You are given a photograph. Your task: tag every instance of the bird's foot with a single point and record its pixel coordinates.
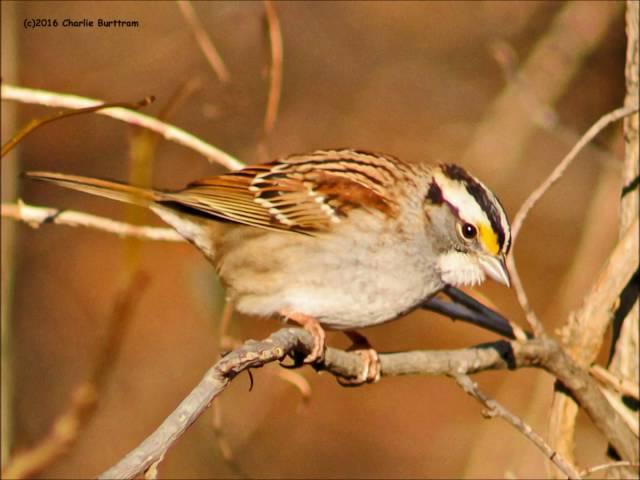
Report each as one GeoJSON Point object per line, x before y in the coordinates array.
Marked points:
{"type": "Point", "coordinates": [371, 371]}
{"type": "Point", "coordinates": [311, 325]}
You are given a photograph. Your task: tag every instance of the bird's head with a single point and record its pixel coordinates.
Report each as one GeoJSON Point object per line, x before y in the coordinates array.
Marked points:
{"type": "Point", "coordinates": [469, 226]}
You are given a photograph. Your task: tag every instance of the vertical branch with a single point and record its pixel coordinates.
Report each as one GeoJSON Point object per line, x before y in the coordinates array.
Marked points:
{"type": "Point", "coordinates": [204, 42]}
{"type": "Point", "coordinates": [625, 346]}
{"type": "Point", "coordinates": [539, 192]}
{"type": "Point", "coordinates": [275, 70]}
{"type": "Point", "coordinates": [631, 171]}
{"type": "Point", "coordinates": [584, 333]}
{"type": "Point", "coordinates": [8, 178]}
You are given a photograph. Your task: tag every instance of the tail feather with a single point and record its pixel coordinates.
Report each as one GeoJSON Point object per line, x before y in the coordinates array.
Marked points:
{"type": "Point", "coordinates": [102, 188]}
{"type": "Point", "coordinates": [191, 227]}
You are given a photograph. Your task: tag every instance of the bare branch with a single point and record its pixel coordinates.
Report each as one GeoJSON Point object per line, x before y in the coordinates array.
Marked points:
{"type": "Point", "coordinates": [494, 408]}
{"type": "Point", "coordinates": [204, 41]}
{"type": "Point", "coordinates": [628, 415]}
{"type": "Point", "coordinates": [587, 392]}
{"type": "Point", "coordinates": [37, 216]}
{"type": "Point", "coordinates": [167, 131]}
{"type": "Point", "coordinates": [275, 70]}
{"type": "Point", "coordinates": [537, 194]}
{"type": "Point", "coordinates": [631, 171]}
{"type": "Point", "coordinates": [39, 122]}
{"type": "Point", "coordinates": [620, 385]}
{"type": "Point", "coordinates": [557, 172]}
{"type": "Point", "coordinates": [583, 336]}
{"type": "Point", "coordinates": [542, 353]}
{"type": "Point", "coordinates": [584, 332]}
{"type": "Point", "coordinates": [606, 466]}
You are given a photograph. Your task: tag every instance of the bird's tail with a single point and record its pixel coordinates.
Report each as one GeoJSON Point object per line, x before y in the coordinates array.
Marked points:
{"type": "Point", "coordinates": [103, 188]}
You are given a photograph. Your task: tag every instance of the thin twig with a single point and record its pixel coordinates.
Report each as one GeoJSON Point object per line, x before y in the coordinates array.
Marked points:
{"type": "Point", "coordinates": [84, 399]}
{"type": "Point", "coordinates": [204, 42]}
{"type": "Point", "coordinates": [496, 409]}
{"type": "Point", "coordinates": [522, 297]}
{"type": "Point", "coordinates": [36, 216]}
{"type": "Point", "coordinates": [537, 194]}
{"type": "Point", "coordinates": [168, 132]}
{"type": "Point", "coordinates": [275, 70]}
{"type": "Point", "coordinates": [606, 466]}
{"type": "Point", "coordinates": [557, 172]}
{"type": "Point", "coordinates": [620, 385]}
{"type": "Point", "coordinates": [39, 122]}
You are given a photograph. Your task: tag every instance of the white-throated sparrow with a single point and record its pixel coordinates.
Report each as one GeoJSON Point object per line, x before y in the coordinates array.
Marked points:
{"type": "Point", "coordinates": [337, 238]}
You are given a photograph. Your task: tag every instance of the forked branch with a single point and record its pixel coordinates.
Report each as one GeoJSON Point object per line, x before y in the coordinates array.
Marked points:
{"type": "Point", "coordinates": [541, 353]}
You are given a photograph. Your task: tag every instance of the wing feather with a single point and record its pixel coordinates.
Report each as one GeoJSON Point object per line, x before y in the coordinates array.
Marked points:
{"type": "Point", "coordinates": [302, 193]}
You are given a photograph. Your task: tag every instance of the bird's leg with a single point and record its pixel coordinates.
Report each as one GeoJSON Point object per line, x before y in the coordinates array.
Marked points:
{"type": "Point", "coordinates": [369, 356]}
{"type": "Point", "coordinates": [311, 325]}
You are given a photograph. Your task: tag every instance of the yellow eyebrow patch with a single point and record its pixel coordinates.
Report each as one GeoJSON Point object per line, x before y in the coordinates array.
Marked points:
{"type": "Point", "coordinates": [489, 239]}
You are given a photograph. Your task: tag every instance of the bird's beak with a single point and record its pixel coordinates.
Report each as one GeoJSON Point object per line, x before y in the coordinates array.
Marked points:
{"type": "Point", "coordinates": [496, 268]}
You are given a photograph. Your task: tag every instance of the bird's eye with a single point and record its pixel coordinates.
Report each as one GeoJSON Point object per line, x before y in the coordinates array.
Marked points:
{"type": "Point", "coordinates": [469, 231]}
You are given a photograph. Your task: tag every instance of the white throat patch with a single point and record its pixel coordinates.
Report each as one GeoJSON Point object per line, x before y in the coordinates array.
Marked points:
{"type": "Point", "coordinates": [459, 269]}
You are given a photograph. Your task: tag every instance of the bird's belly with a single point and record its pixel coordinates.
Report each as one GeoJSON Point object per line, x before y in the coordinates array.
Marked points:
{"type": "Point", "coordinates": [359, 288]}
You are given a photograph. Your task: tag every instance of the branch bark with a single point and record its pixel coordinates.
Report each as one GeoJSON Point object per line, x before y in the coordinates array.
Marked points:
{"type": "Point", "coordinates": [36, 216]}
{"type": "Point", "coordinates": [540, 352]}
{"type": "Point", "coordinates": [167, 131]}
{"type": "Point", "coordinates": [494, 409]}
{"type": "Point", "coordinates": [583, 336]}
{"type": "Point", "coordinates": [537, 194]}
{"type": "Point", "coordinates": [207, 47]}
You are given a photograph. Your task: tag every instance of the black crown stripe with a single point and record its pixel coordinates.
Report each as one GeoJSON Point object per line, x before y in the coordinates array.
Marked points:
{"type": "Point", "coordinates": [480, 194]}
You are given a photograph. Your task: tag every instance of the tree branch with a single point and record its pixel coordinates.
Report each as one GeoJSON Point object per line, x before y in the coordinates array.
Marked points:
{"type": "Point", "coordinates": [494, 408]}
{"type": "Point", "coordinates": [204, 41]}
{"type": "Point", "coordinates": [557, 172]}
{"type": "Point", "coordinates": [539, 352]}
{"type": "Point", "coordinates": [167, 131]}
{"type": "Point", "coordinates": [583, 335]}
{"type": "Point", "coordinates": [537, 194]}
{"type": "Point", "coordinates": [275, 69]}
{"type": "Point", "coordinates": [37, 216]}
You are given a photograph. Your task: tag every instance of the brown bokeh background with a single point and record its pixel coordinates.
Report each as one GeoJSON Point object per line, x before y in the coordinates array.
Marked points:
{"type": "Point", "coordinates": [412, 79]}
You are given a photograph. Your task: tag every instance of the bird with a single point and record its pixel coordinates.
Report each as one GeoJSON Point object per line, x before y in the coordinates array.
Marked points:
{"type": "Point", "coordinates": [338, 239]}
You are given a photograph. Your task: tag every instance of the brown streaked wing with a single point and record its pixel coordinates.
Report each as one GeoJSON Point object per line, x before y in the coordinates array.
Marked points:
{"type": "Point", "coordinates": [228, 197]}
{"type": "Point", "coordinates": [302, 197]}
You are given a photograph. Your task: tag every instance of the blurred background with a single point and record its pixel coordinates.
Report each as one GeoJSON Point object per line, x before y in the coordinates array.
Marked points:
{"type": "Point", "coordinates": [503, 88]}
